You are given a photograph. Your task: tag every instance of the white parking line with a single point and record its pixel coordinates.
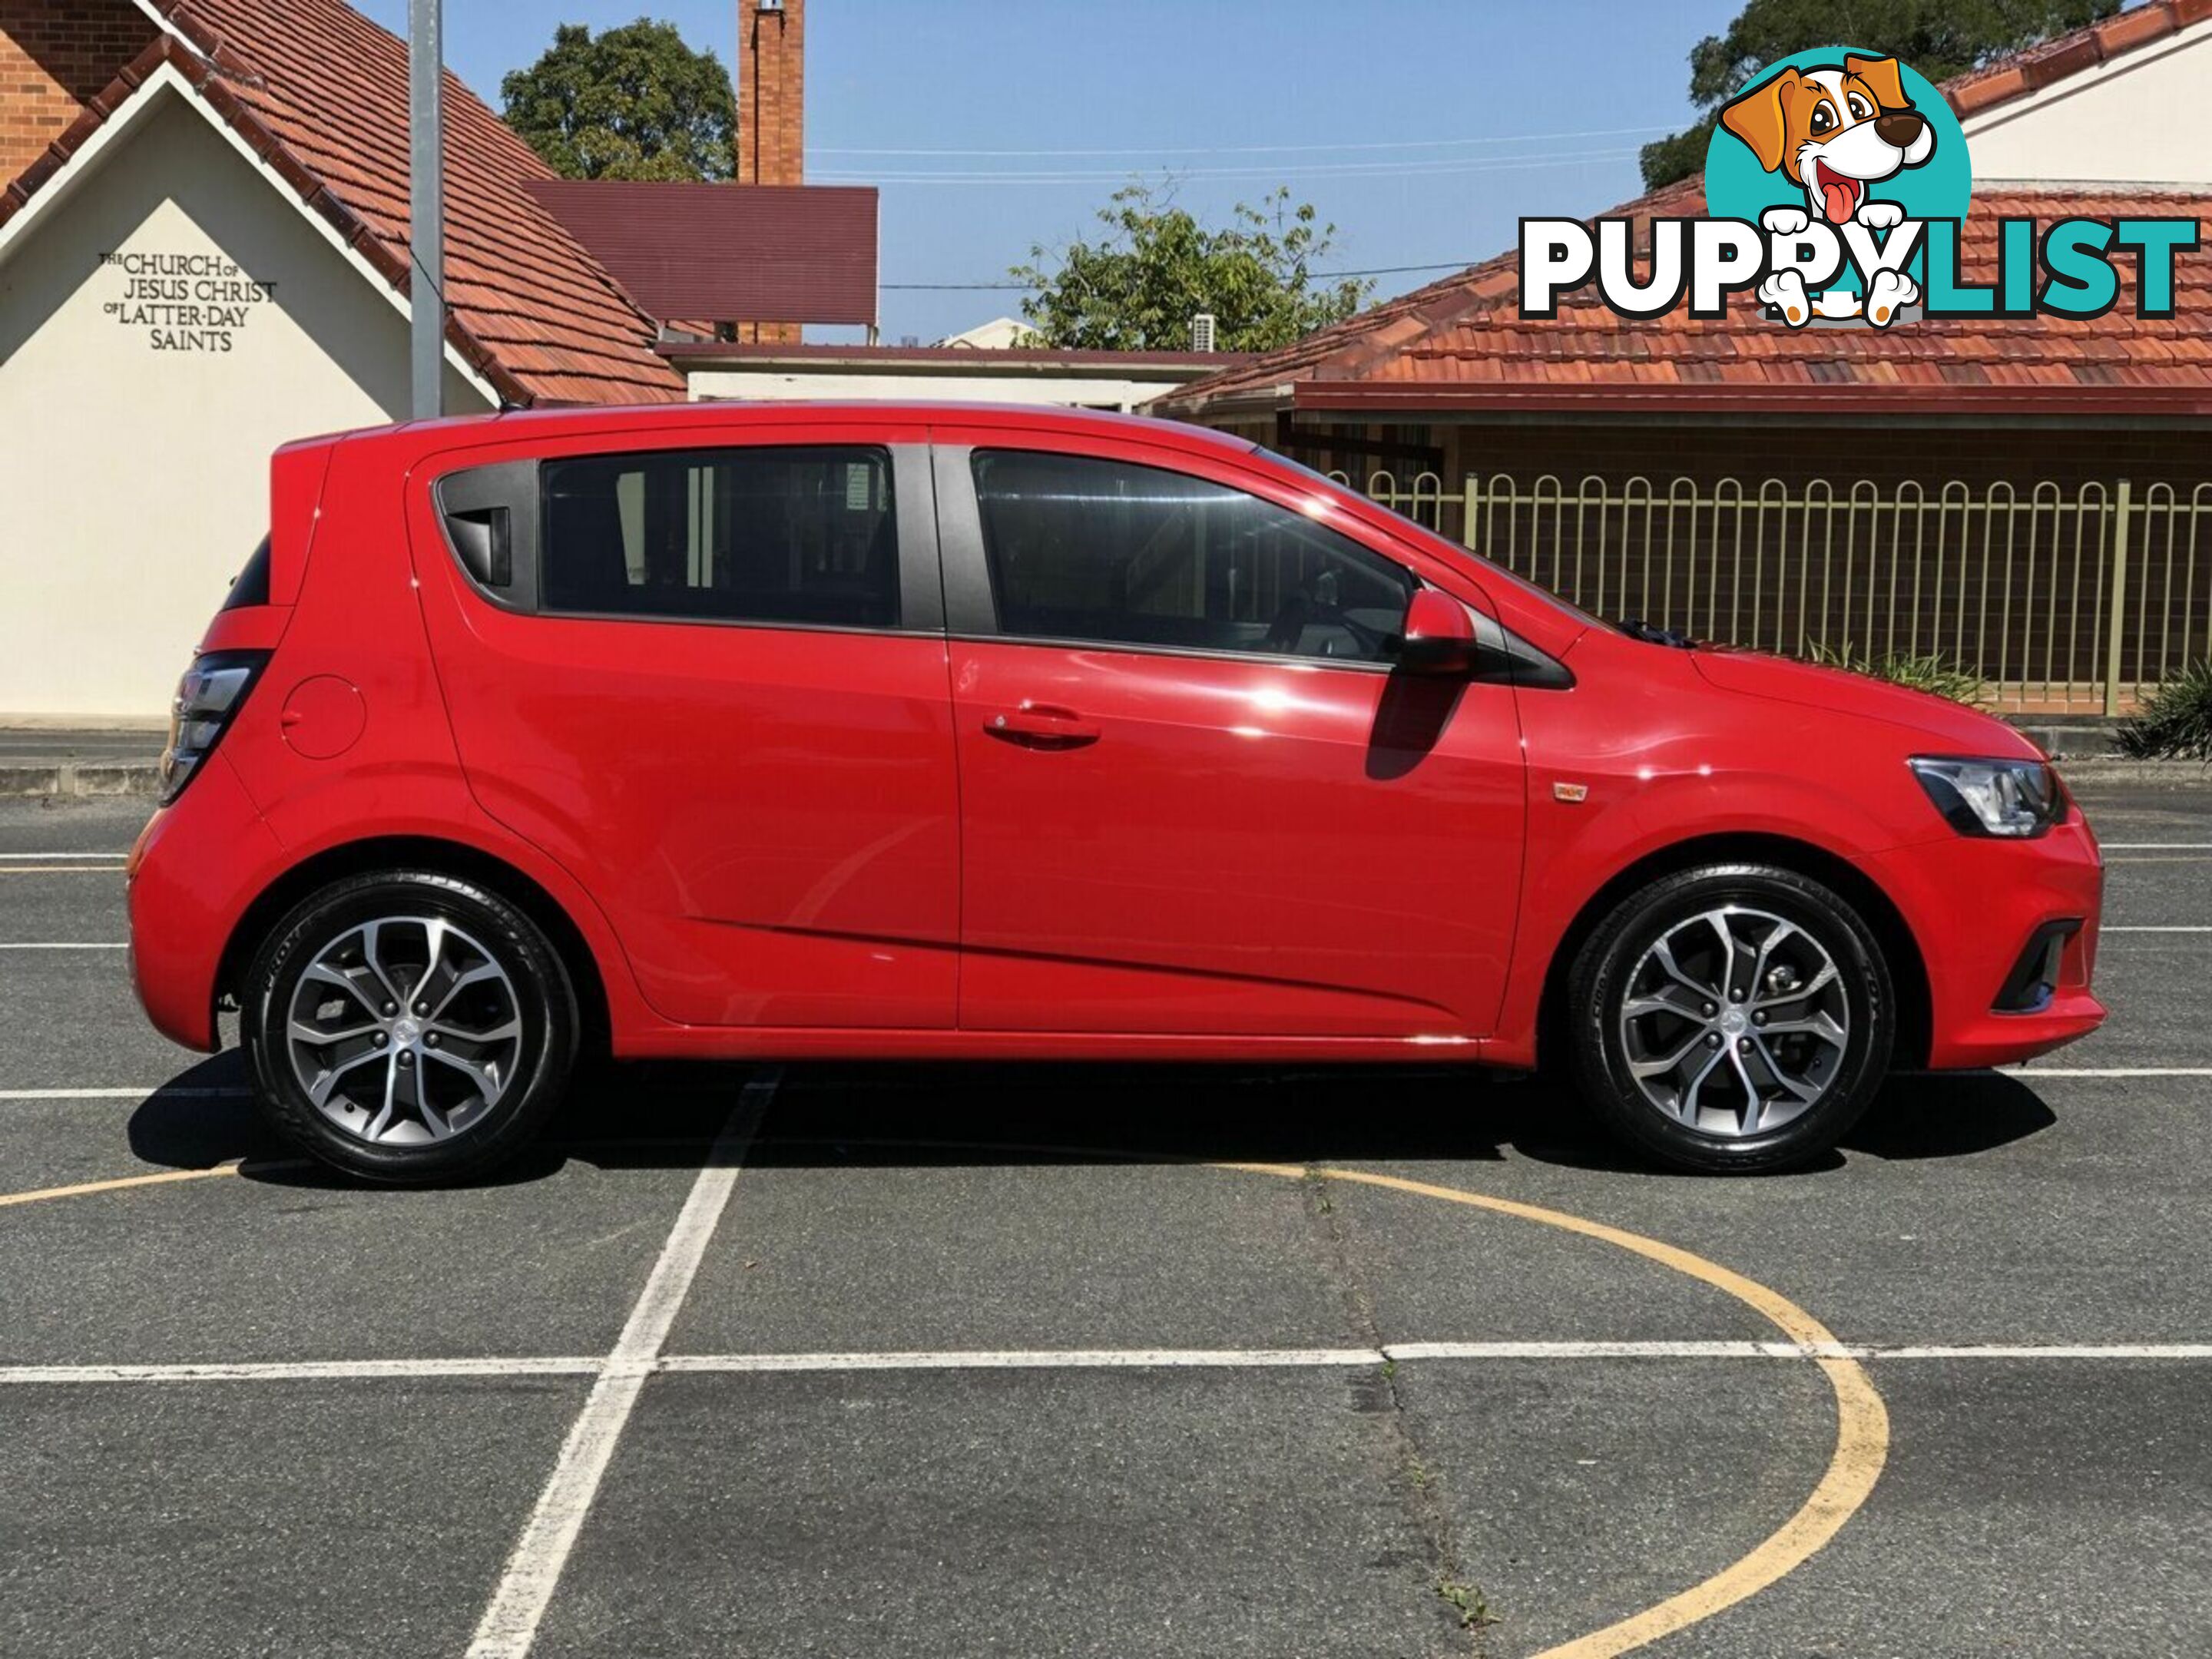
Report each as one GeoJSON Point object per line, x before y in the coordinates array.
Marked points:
{"type": "Point", "coordinates": [239, 1091]}
{"type": "Point", "coordinates": [72, 858]}
{"type": "Point", "coordinates": [63, 945]}
{"type": "Point", "coordinates": [2032, 1070]}
{"type": "Point", "coordinates": [2158, 846]}
{"type": "Point", "coordinates": [1051, 1360]}
{"type": "Point", "coordinates": [308, 1371]}
{"type": "Point", "coordinates": [2160, 929]}
{"type": "Point", "coordinates": [1019, 1359]}
{"type": "Point", "coordinates": [158, 1091]}
{"type": "Point", "coordinates": [510, 1622]}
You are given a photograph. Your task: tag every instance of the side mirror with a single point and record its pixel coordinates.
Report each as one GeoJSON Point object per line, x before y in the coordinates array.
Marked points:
{"type": "Point", "coordinates": [1439, 636]}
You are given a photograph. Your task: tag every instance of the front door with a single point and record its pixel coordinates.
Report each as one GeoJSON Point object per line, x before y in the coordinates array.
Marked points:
{"type": "Point", "coordinates": [714, 690]}
{"type": "Point", "coordinates": [1194, 797]}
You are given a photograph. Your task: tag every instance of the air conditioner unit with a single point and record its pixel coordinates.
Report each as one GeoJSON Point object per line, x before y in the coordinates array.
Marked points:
{"type": "Point", "coordinates": [1202, 332]}
{"type": "Point", "coordinates": [769, 5]}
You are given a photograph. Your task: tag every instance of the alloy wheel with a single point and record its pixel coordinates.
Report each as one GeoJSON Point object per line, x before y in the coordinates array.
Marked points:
{"type": "Point", "coordinates": [404, 1030]}
{"type": "Point", "coordinates": [1734, 1022]}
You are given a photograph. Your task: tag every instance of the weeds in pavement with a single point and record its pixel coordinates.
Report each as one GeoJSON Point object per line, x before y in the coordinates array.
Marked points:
{"type": "Point", "coordinates": [1474, 1610]}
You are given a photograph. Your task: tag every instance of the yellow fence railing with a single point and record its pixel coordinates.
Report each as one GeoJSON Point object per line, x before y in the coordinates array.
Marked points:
{"type": "Point", "coordinates": [2058, 599]}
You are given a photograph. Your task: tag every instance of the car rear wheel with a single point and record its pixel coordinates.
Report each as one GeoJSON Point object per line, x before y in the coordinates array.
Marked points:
{"type": "Point", "coordinates": [408, 1026]}
{"type": "Point", "coordinates": [1735, 1018]}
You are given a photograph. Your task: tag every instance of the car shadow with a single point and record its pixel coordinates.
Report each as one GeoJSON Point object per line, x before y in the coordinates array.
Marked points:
{"type": "Point", "coordinates": [660, 1114]}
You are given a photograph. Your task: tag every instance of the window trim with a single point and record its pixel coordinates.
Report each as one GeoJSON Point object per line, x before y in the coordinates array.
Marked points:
{"type": "Point", "coordinates": [249, 589]}
{"type": "Point", "coordinates": [518, 485]}
{"type": "Point", "coordinates": [971, 608]}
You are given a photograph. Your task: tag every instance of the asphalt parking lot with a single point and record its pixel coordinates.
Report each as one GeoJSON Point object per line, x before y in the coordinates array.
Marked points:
{"type": "Point", "coordinates": [935, 1361]}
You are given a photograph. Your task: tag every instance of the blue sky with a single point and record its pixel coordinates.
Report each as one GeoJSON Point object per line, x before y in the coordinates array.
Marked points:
{"type": "Point", "coordinates": [1423, 129]}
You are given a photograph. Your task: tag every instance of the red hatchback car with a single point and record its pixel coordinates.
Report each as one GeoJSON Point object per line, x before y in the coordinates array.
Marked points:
{"type": "Point", "coordinates": [893, 731]}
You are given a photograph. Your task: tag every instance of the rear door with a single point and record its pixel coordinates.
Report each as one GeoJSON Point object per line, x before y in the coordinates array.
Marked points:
{"type": "Point", "coordinates": [709, 678]}
{"type": "Point", "coordinates": [1195, 797]}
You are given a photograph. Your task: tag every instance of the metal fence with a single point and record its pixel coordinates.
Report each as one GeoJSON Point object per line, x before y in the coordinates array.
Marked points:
{"type": "Point", "coordinates": [2058, 600]}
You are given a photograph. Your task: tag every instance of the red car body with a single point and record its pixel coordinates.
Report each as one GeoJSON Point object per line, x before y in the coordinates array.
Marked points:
{"type": "Point", "coordinates": [925, 842]}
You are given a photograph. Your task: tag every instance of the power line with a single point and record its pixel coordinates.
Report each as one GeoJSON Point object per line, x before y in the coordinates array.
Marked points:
{"type": "Point", "coordinates": [1022, 288]}
{"type": "Point", "coordinates": [1005, 176]}
{"type": "Point", "coordinates": [1269, 150]}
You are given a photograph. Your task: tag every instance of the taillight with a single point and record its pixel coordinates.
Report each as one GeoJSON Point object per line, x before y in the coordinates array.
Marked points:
{"type": "Point", "coordinates": [208, 696]}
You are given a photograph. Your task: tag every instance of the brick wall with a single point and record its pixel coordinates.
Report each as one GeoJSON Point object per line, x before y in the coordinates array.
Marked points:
{"type": "Point", "coordinates": [771, 115]}
{"type": "Point", "coordinates": [54, 55]}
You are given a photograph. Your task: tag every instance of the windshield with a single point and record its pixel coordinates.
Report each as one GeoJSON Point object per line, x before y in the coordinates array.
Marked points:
{"type": "Point", "coordinates": [1414, 530]}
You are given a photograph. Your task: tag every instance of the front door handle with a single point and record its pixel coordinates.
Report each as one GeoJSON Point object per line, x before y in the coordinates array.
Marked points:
{"type": "Point", "coordinates": [1042, 725]}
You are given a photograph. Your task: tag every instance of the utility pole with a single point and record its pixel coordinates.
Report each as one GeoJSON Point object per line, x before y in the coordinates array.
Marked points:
{"type": "Point", "coordinates": [426, 195]}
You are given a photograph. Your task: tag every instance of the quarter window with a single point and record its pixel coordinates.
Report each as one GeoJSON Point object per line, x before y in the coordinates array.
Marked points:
{"type": "Point", "coordinates": [800, 536]}
{"type": "Point", "coordinates": [1084, 549]}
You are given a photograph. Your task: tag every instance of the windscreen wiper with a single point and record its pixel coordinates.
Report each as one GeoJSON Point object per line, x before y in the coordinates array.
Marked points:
{"type": "Point", "coordinates": [1636, 628]}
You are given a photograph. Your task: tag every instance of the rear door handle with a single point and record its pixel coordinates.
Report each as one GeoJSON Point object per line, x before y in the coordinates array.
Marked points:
{"type": "Point", "coordinates": [1042, 725]}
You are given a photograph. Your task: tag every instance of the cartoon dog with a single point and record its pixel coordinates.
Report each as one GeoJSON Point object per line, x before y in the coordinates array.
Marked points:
{"type": "Point", "coordinates": [1835, 132]}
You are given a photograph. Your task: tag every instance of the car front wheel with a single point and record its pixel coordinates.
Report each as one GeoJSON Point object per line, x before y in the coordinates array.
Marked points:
{"type": "Point", "coordinates": [1733, 1018]}
{"type": "Point", "coordinates": [408, 1026]}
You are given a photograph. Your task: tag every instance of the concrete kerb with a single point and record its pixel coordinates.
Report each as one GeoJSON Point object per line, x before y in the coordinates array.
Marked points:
{"type": "Point", "coordinates": [80, 779]}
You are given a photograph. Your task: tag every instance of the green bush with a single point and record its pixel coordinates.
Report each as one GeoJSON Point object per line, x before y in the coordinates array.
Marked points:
{"type": "Point", "coordinates": [1934, 673]}
{"type": "Point", "coordinates": [2174, 722]}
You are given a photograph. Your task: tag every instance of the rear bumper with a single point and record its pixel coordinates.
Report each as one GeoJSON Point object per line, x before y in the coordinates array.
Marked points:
{"type": "Point", "coordinates": [186, 896]}
{"type": "Point", "coordinates": [1974, 906]}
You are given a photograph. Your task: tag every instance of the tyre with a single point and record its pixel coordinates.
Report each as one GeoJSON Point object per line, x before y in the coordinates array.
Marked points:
{"type": "Point", "coordinates": [407, 1026]}
{"type": "Point", "coordinates": [1735, 1018]}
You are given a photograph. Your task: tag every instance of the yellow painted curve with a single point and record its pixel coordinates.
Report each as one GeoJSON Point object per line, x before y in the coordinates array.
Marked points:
{"type": "Point", "coordinates": [1862, 1420]}
{"type": "Point", "coordinates": [82, 1188]}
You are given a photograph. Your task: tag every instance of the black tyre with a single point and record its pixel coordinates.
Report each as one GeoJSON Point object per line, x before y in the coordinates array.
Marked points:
{"type": "Point", "coordinates": [408, 1026]}
{"type": "Point", "coordinates": [1735, 1018]}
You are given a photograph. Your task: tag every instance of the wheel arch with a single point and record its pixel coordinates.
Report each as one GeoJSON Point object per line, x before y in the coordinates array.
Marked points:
{"type": "Point", "coordinates": [1908, 967]}
{"type": "Point", "coordinates": [448, 858]}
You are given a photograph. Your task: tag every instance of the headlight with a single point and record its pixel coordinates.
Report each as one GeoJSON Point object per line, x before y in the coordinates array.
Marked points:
{"type": "Point", "coordinates": [2012, 799]}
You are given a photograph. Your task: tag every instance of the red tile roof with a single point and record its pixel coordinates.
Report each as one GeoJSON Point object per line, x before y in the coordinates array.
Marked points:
{"type": "Point", "coordinates": [1462, 343]}
{"type": "Point", "coordinates": [2070, 53]}
{"type": "Point", "coordinates": [320, 93]}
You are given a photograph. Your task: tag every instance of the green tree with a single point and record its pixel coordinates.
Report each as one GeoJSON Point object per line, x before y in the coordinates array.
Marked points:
{"type": "Point", "coordinates": [1938, 38]}
{"type": "Point", "coordinates": [1137, 288]}
{"type": "Point", "coordinates": [634, 103]}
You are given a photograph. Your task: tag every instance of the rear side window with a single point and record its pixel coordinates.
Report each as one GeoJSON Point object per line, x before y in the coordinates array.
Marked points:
{"type": "Point", "coordinates": [252, 587]}
{"type": "Point", "coordinates": [800, 536]}
{"type": "Point", "coordinates": [1090, 549]}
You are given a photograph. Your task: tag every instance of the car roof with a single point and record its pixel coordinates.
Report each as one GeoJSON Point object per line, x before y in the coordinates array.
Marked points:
{"type": "Point", "coordinates": [742, 413]}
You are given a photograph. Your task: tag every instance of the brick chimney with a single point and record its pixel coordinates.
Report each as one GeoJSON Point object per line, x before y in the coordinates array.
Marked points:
{"type": "Point", "coordinates": [771, 113]}
{"type": "Point", "coordinates": [54, 56]}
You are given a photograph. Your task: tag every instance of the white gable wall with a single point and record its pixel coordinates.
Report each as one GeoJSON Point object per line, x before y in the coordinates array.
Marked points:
{"type": "Point", "coordinates": [2145, 116]}
{"type": "Point", "coordinates": [135, 445]}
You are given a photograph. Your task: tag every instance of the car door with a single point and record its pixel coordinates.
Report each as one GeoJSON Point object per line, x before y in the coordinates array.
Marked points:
{"type": "Point", "coordinates": [709, 678]}
{"type": "Point", "coordinates": [1195, 798]}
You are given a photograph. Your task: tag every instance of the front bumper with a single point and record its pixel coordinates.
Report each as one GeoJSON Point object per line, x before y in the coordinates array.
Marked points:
{"type": "Point", "coordinates": [1974, 906]}
{"type": "Point", "coordinates": [195, 867]}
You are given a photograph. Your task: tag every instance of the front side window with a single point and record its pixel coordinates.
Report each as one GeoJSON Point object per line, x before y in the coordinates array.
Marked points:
{"type": "Point", "coordinates": [807, 536]}
{"type": "Point", "coordinates": [1090, 549]}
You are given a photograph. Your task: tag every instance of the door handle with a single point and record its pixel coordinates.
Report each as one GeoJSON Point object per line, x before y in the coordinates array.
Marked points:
{"type": "Point", "coordinates": [1042, 725]}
